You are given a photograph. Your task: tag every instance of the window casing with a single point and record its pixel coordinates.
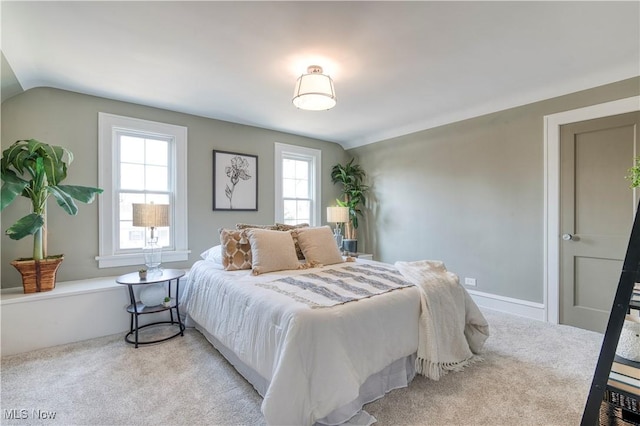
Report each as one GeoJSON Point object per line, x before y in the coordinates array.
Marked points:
{"type": "Point", "coordinates": [140, 161]}
{"type": "Point", "coordinates": [297, 184]}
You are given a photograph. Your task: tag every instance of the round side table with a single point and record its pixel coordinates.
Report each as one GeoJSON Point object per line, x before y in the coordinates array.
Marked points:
{"type": "Point", "coordinates": [138, 308]}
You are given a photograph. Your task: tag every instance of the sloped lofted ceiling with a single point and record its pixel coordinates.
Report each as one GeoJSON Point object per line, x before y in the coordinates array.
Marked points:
{"type": "Point", "coordinates": [398, 67]}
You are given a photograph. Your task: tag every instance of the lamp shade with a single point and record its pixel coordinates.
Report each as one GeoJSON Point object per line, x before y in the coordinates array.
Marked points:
{"type": "Point", "coordinates": [151, 215]}
{"type": "Point", "coordinates": [337, 214]}
{"type": "Point", "coordinates": [314, 91]}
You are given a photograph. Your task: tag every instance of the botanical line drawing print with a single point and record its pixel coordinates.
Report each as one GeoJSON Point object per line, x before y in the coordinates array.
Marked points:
{"type": "Point", "coordinates": [239, 169]}
{"type": "Point", "coordinates": [235, 181]}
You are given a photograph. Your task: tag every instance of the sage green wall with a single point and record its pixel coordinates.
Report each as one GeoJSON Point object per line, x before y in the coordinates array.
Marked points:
{"type": "Point", "coordinates": [71, 120]}
{"type": "Point", "coordinates": [471, 194]}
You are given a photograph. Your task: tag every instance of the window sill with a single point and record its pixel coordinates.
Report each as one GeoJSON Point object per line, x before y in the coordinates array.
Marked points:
{"type": "Point", "coordinates": [138, 258]}
{"type": "Point", "coordinates": [71, 312]}
{"type": "Point", "coordinates": [62, 289]}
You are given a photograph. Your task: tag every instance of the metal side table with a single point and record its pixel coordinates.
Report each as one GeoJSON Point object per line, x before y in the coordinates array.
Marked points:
{"type": "Point", "coordinates": [138, 308]}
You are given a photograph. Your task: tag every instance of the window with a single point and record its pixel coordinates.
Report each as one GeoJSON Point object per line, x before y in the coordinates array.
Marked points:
{"type": "Point", "coordinates": [297, 186]}
{"type": "Point", "coordinates": [140, 162]}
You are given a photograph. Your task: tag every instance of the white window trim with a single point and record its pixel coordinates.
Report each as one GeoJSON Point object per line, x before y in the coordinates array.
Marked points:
{"type": "Point", "coordinates": [305, 153]}
{"type": "Point", "coordinates": [107, 125]}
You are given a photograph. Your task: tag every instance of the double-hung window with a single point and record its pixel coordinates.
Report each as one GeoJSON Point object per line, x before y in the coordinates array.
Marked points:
{"type": "Point", "coordinates": [141, 162]}
{"type": "Point", "coordinates": [297, 172]}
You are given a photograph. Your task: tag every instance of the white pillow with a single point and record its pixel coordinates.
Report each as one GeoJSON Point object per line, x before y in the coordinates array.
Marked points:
{"type": "Point", "coordinates": [272, 251]}
{"type": "Point", "coordinates": [319, 246]}
{"type": "Point", "coordinates": [214, 254]}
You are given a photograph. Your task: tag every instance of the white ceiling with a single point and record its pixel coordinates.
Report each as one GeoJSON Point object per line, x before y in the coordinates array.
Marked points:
{"type": "Point", "coordinates": [398, 67]}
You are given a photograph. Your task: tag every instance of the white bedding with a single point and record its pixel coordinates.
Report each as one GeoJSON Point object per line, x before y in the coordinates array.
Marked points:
{"type": "Point", "coordinates": [314, 360]}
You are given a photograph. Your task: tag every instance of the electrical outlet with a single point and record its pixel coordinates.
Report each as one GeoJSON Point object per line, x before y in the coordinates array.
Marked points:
{"type": "Point", "coordinates": [470, 281]}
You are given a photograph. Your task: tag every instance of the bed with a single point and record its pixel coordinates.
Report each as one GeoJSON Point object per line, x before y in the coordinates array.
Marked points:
{"type": "Point", "coordinates": [316, 343]}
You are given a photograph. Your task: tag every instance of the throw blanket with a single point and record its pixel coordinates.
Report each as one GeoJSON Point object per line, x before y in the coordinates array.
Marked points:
{"type": "Point", "coordinates": [338, 284]}
{"type": "Point", "coordinates": [452, 328]}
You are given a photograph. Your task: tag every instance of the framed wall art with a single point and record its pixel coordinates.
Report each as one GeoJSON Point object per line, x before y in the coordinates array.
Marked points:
{"type": "Point", "coordinates": [235, 181]}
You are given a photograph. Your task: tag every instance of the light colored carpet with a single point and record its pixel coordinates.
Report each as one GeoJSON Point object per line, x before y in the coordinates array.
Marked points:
{"type": "Point", "coordinates": [533, 374]}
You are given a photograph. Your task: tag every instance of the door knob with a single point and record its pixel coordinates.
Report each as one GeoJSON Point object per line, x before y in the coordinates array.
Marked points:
{"type": "Point", "coordinates": [567, 237]}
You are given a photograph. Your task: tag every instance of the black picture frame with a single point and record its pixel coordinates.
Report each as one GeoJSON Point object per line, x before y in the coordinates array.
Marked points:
{"type": "Point", "coordinates": [235, 181]}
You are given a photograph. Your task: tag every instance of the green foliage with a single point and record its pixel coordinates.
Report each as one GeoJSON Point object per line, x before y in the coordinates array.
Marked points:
{"type": "Point", "coordinates": [27, 225]}
{"type": "Point", "coordinates": [34, 170]}
{"type": "Point", "coordinates": [634, 173]}
{"type": "Point", "coordinates": [350, 176]}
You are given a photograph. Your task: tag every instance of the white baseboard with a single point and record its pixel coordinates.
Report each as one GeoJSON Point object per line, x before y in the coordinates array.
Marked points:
{"type": "Point", "coordinates": [522, 308]}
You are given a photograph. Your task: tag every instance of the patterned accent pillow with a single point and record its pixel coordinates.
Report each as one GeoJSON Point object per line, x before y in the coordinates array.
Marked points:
{"type": "Point", "coordinates": [236, 250]}
{"type": "Point", "coordinates": [285, 227]}
{"type": "Point", "coordinates": [248, 226]}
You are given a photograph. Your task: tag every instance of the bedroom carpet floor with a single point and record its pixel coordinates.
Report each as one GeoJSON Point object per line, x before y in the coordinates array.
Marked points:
{"type": "Point", "coordinates": [532, 374]}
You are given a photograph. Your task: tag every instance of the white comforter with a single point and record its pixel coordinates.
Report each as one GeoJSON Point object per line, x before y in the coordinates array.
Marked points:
{"type": "Point", "coordinates": [314, 359]}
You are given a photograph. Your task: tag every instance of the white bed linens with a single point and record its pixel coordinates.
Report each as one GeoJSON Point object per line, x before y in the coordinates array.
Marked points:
{"type": "Point", "coordinates": [315, 360]}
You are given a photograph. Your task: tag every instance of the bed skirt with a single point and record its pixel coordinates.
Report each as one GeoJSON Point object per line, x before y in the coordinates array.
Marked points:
{"type": "Point", "coordinates": [396, 375]}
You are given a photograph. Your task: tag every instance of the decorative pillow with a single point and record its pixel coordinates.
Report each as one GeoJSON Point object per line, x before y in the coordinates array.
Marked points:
{"type": "Point", "coordinates": [214, 254]}
{"type": "Point", "coordinates": [236, 250]}
{"type": "Point", "coordinates": [272, 251]}
{"type": "Point", "coordinates": [247, 226]}
{"type": "Point", "coordinates": [285, 227]}
{"type": "Point", "coordinates": [319, 246]}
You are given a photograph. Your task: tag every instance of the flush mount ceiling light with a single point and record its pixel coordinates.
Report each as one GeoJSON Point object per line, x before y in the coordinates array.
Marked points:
{"type": "Point", "coordinates": [314, 90]}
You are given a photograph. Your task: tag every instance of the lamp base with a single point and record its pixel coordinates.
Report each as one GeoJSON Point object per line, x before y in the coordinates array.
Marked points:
{"type": "Point", "coordinates": [152, 256]}
{"type": "Point", "coordinates": [337, 235]}
{"type": "Point", "coordinates": [350, 246]}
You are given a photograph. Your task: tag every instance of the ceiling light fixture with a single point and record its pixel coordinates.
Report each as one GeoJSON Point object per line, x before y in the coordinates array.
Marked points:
{"type": "Point", "coordinates": [314, 91]}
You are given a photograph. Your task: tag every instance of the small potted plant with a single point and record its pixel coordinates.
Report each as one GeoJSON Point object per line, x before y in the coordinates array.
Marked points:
{"type": "Point", "coordinates": [142, 273]}
{"type": "Point", "coordinates": [167, 302]}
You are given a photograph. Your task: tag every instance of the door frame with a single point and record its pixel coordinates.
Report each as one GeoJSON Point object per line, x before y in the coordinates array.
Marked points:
{"type": "Point", "coordinates": [551, 154]}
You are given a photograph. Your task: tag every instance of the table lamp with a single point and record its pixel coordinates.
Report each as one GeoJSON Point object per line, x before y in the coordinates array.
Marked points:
{"type": "Point", "coordinates": [151, 216]}
{"type": "Point", "coordinates": [338, 215]}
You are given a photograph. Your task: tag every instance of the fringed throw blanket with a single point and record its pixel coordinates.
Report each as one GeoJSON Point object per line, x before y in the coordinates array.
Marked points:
{"type": "Point", "coordinates": [452, 328]}
{"type": "Point", "coordinates": [338, 284]}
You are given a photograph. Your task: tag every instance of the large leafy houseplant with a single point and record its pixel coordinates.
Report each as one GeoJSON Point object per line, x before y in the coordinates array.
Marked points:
{"type": "Point", "coordinates": [350, 176]}
{"type": "Point", "coordinates": [35, 170]}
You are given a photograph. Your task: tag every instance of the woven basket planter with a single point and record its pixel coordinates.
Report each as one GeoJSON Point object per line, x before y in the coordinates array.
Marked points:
{"type": "Point", "coordinates": [38, 275]}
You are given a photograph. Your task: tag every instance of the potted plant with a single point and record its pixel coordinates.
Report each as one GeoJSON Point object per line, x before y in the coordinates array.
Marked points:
{"type": "Point", "coordinates": [142, 273]}
{"type": "Point", "coordinates": [166, 302]}
{"type": "Point", "coordinates": [35, 170]}
{"type": "Point", "coordinates": [350, 176]}
{"type": "Point", "coordinates": [634, 173]}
